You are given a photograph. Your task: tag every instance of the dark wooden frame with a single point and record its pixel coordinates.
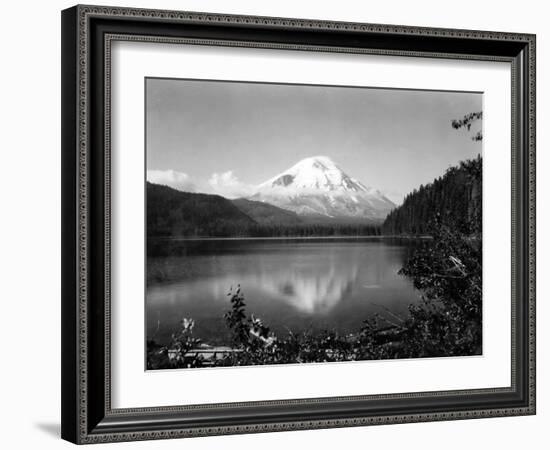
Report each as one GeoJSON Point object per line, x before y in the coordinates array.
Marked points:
{"type": "Point", "coordinates": [87, 32]}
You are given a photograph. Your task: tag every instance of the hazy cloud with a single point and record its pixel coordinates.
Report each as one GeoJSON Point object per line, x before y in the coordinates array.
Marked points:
{"type": "Point", "coordinates": [177, 180]}
{"type": "Point", "coordinates": [228, 185]}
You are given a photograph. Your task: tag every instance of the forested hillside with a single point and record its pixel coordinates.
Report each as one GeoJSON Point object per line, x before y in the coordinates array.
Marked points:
{"type": "Point", "coordinates": [454, 198]}
{"type": "Point", "coordinates": [174, 213]}
{"type": "Point", "coordinates": [266, 214]}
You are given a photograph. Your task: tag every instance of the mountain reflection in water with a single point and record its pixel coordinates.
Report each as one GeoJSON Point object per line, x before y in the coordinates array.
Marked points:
{"type": "Point", "coordinates": [312, 288]}
{"type": "Point", "coordinates": [292, 285]}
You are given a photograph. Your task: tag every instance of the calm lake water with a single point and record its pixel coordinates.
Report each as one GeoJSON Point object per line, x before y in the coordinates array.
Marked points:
{"type": "Point", "coordinates": [291, 284]}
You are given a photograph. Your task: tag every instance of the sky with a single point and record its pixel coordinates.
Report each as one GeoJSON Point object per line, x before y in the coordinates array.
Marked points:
{"type": "Point", "coordinates": [227, 137]}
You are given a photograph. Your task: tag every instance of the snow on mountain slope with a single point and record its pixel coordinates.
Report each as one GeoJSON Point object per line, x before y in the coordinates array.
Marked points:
{"type": "Point", "coordinates": [316, 186]}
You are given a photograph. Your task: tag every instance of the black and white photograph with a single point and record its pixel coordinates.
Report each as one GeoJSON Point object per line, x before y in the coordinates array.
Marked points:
{"type": "Point", "coordinates": [291, 223]}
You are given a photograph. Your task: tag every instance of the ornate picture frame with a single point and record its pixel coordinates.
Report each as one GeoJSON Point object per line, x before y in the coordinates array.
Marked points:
{"type": "Point", "coordinates": [88, 33]}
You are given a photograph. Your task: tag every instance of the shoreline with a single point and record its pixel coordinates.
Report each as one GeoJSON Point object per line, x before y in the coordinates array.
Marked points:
{"type": "Point", "coordinates": [288, 238]}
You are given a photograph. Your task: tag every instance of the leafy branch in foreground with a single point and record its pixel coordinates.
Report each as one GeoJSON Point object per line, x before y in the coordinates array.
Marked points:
{"type": "Point", "coordinates": [449, 275]}
{"type": "Point", "coordinates": [467, 121]}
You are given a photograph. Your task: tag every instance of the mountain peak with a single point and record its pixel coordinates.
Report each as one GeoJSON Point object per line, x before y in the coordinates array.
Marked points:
{"type": "Point", "coordinates": [318, 186]}
{"type": "Point", "coordinates": [319, 160]}
{"type": "Point", "coordinates": [316, 173]}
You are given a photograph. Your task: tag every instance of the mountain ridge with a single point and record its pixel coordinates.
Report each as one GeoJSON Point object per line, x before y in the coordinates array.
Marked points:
{"type": "Point", "coordinates": [265, 213]}
{"type": "Point", "coordinates": [175, 214]}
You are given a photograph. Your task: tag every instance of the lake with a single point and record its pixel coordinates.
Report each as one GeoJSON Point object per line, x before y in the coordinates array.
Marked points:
{"type": "Point", "coordinates": [291, 284]}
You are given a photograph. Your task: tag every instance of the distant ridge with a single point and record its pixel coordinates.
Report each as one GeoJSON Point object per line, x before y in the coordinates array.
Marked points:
{"type": "Point", "coordinates": [266, 214]}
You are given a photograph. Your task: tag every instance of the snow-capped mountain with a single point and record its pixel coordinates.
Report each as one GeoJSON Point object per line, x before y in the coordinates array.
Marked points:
{"type": "Point", "coordinates": [316, 186]}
